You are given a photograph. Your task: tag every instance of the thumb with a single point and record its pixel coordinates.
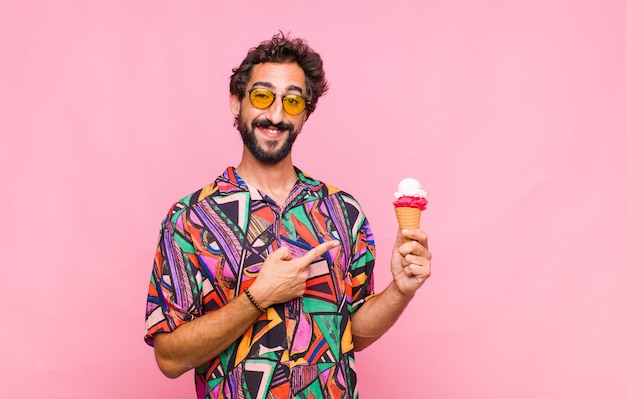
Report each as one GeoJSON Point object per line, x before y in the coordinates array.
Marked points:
{"type": "Point", "coordinates": [399, 238]}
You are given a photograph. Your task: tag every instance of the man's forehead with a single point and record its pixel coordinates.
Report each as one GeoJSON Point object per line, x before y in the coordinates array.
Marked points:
{"type": "Point", "coordinates": [278, 76]}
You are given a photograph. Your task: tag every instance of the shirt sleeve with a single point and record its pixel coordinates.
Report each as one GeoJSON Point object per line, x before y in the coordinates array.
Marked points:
{"type": "Point", "coordinates": [173, 293]}
{"type": "Point", "coordinates": [362, 267]}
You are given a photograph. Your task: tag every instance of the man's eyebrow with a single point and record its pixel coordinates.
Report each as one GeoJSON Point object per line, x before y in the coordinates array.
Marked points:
{"type": "Point", "coordinates": [264, 84]}
{"type": "Point", "coordinates": [295, 88]}
{"type": "Point", "coordinates": [269, 85]}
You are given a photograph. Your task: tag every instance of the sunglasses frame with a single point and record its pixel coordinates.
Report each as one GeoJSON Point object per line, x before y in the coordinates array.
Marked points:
{"type": "Point", "coordinates": [306, 103]}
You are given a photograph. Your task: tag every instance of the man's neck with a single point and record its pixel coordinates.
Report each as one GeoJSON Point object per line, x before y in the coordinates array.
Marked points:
{"type": "Point", "coordinates": [276, 180]}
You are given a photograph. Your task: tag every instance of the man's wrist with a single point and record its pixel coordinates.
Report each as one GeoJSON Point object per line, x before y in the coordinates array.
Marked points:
{"type": "Point", "coordinates": [254, 301]}
{"type": "Point", "coordinates": [399, 295]}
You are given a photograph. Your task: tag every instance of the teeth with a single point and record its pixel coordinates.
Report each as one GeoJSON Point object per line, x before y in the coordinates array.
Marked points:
{"type": "Point", "coordinates": [272, 131]}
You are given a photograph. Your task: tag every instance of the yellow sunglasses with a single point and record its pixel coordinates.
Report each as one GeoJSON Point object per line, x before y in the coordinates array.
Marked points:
{"type": "Point", "coordinates": [264, 98]}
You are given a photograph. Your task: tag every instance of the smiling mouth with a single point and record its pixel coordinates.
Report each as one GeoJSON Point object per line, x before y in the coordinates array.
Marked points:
{"type": "Point", "coordinates": [271, 129]}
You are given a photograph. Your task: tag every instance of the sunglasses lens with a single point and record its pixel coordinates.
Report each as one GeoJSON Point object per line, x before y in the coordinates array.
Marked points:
{"type": "Point", "coordinates": [261, 98]}
{"type": "Point", "coordinates": [294, 105]}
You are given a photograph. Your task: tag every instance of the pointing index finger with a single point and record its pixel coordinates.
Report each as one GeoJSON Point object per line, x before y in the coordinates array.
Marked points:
{"type": "Point", "coordinates": [316, 252]}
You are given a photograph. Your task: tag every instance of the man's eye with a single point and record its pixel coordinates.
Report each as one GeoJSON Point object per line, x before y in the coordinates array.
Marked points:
{"type": "Point", "coordinates": [261, 96]}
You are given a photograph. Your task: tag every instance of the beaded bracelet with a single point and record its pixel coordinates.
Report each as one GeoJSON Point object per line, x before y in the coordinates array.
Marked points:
{"type": "Point", "coordinates": [254, 302]}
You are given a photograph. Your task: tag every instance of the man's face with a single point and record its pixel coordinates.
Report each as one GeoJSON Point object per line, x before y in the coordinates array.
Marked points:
{"type": "Point", "coordinates": [268, 134]}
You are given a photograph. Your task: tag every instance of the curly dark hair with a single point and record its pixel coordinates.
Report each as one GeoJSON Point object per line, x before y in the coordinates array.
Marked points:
{"type": "Point", "coordinates": [281, 49]}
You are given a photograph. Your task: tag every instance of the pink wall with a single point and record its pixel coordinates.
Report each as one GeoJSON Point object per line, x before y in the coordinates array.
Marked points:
{"type": "Point", "coordinates": [512, 114]}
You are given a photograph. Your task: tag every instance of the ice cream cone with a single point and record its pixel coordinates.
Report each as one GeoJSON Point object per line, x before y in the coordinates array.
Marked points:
{"type": "Point", "coordinates": [408, 218]}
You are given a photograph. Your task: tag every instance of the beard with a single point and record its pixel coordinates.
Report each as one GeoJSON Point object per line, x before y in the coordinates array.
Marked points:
{"type": "Point", "coordinates": [277, 152]}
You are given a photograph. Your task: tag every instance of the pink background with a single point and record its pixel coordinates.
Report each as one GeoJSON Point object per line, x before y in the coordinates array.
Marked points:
{"type": "Point", "coordinates": [511, 113]}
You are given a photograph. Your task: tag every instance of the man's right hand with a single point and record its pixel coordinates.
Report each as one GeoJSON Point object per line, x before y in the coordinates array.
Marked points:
{"type": "Point", "coordinates": [283, 277]}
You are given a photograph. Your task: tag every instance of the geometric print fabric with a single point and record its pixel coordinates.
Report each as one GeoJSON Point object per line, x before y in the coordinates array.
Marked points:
{"type": "Point", "coordinates": [211, 247]}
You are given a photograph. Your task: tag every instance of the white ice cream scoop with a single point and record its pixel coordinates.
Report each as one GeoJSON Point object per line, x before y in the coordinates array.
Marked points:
{"type": "Point", "coordinates": [410, 187]}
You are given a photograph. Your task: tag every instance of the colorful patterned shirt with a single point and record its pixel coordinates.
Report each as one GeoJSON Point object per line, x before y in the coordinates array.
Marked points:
{"type": "Point", "coordinates": [212, 245]}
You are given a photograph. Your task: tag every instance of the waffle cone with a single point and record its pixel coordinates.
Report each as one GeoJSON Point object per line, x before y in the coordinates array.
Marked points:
{"type": "Point", "coordinates": [408, 218]}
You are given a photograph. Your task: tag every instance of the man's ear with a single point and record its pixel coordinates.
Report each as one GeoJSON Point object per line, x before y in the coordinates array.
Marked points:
{"type": "Point", "coordinates": [235, 105]}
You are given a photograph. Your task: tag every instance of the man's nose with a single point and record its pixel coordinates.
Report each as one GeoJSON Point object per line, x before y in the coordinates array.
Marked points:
{"type": "Point", "coordinates": [275, 112]}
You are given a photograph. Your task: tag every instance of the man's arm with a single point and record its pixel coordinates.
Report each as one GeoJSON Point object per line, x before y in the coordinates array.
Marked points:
{"type": "Point", "coordinates": [280, 279]}
{"type": "Point", "coordinates": [204, 338]}
{"type": "Point", "coordinates": [410, 267]}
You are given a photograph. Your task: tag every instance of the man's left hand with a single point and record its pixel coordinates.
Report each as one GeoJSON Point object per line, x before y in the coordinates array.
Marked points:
{"type": "Point", "coordinates": [410, 261]}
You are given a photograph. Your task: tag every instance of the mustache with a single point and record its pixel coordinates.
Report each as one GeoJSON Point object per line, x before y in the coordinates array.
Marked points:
{"type": "Point", "coordinates": [264, 123]}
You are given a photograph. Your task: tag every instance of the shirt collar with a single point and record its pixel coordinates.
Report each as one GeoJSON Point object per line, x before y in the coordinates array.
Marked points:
{"type": "Point", "coordinates": [230, 182]}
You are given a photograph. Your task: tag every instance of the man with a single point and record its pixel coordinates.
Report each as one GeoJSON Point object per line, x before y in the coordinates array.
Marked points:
{"type": "Point", "coordinates": [263, 280]}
